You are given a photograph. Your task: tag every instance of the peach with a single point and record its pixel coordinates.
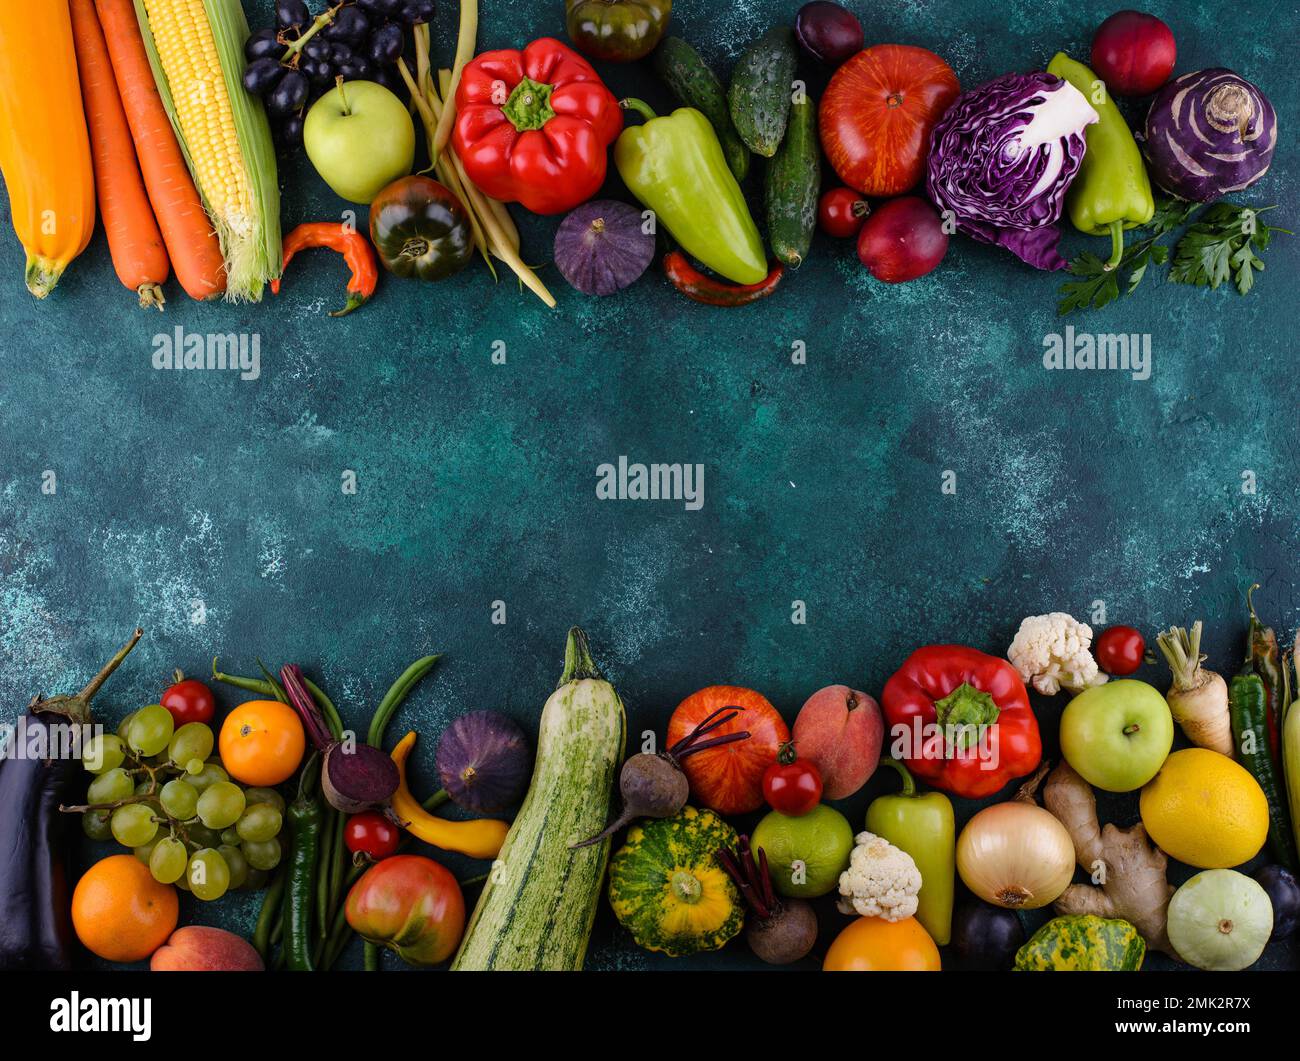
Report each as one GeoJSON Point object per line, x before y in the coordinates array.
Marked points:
{"type": "Point", "coordinates": [840, 730]}
{"type": "Point", "coordinates": [198, 949]}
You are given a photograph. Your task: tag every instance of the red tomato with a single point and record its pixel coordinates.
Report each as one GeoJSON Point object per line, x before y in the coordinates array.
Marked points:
{"type": "Point", "coordinates": [877, 113]}
{"type": "Point", "coordinates": [841, 213]}
{"type": "Point", "coordinates": [791, 785]}
{"type": "Point", "coordinates": [1120, 650]}
{"type": "Point", "coordinates": [729, 778]}
{"type": "Point", "coordinates": [189, 700]}
{"type": "Point", "coordinates": [370, 833]}
{"type": "Point", "coordinates": [1134, 53]}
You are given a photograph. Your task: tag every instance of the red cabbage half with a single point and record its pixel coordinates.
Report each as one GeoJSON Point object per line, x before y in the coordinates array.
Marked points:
{"type": "Point", "coordinates": [1002, 157]}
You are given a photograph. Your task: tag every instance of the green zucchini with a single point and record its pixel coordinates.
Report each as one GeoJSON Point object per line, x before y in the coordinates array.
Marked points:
{"type": "Point", "coordinates": [689, 78]}
{"type": "Point", "coordinates": [537, 907]}
{"type": "Point", "coordinates": [794, 179]}
{"type": "Point", "coordinates": [761, 88]}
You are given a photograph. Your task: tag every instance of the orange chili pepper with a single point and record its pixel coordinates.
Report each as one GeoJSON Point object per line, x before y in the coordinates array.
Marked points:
{"type": "Point", "coordinates": [349, 242]}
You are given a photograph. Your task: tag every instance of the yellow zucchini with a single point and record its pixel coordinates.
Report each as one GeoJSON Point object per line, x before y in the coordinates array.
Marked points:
{"type": "Point", "coordinates": [44, 147]}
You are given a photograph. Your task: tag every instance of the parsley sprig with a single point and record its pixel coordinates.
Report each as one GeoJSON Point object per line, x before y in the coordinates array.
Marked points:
{"type": "Point", "coordinates": [1224, 243]}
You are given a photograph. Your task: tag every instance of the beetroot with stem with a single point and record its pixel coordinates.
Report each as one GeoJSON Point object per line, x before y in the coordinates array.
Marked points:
{"type": "Point", "coordinates": [780, 931]}
{"type": "Point", "coordinates": [354, 776]}
{"type": "Point", "coordinates": [652, 783]}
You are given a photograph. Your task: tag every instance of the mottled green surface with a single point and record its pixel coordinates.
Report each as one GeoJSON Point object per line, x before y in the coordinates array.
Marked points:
{"type": "Point", "coordinates": [476, 482]}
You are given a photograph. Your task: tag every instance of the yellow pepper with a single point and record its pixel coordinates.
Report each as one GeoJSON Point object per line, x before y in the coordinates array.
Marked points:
{"type": "Point", "coordinates": [478, 838]}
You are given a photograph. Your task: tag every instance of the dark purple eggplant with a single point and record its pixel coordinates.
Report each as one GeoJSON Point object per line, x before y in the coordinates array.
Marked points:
{"type": "Point", "coordinates": [484, 761]}
{"type": "Point", "coordinates": [35, 837]}
{"type": "Point", "coordinates": [1284, 893]}
{"type": "Point", "coordinates": [986, 937]}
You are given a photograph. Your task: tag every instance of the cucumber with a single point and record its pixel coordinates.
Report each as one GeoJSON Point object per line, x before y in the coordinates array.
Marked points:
{"type": "Point", "coordinates": [689, 78]}
{"type": "Point", "coordinates": [540, 899]}
{"type": "Point", "coordinates": [761, 87]}
{"type": "Point", "coordinates": [794, 179]}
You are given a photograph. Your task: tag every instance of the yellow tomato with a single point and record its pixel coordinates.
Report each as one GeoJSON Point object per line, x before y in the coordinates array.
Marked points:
{"type": "Point", "coordinates": [262, 742]}
{"type": "Point", "coordinates": [872, 944]}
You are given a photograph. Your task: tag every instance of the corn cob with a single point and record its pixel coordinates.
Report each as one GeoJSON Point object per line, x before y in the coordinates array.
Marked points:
{"type": "Point", "coordinates": [196, 48]}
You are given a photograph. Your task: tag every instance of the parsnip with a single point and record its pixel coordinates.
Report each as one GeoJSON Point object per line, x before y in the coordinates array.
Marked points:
{"type": "Point", "coordinates": [1198, 697]}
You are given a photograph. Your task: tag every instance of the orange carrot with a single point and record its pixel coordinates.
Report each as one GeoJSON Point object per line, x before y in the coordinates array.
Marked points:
{"type": "Point", "coordinates": [191, 242]}
{"type": "Point", "coordinates": [133, 238]}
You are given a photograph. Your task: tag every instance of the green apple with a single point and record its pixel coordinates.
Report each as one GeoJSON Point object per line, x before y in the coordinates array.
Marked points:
{"type": "Point", "coordinates": [1117, 735]}
{"type": "Point", "coordinates": [360, 137]}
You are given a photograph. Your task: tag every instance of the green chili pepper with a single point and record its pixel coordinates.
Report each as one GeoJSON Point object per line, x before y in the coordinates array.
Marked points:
{"type": "Point", "coordinates": [304, 818]}
{"type": "Point", "coordinates": [675, 166]}
{"type": "Point", "coordinates": [1112, 191]}
{"type": "Point", "coordinates": [922, 825]}
{"type": "Point", "coordinates": [1264, 657]}
{"type": "Point", "coordinates": [1248, 704]}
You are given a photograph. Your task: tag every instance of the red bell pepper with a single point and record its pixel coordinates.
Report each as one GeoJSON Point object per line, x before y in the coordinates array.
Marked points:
{"type": "Point", "coordinates": [534, 126]}
{"type": "Point", "coordinates": [944, 687]}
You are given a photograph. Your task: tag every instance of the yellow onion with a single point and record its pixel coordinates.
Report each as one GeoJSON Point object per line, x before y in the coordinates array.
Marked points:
{"type": "Point", "coordinates": [1016, 854]}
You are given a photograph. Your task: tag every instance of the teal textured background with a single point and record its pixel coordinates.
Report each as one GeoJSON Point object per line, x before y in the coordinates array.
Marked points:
{"type": "Point", "coordinates": [476, 481]}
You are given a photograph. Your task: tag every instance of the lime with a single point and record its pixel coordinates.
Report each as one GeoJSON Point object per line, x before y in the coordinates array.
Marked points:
{"type": "Point", "coordinates": [807, 854]}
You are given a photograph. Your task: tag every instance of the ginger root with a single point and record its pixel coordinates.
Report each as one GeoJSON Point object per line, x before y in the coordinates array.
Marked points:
{"type": "Point", "coordinates": [1127, 870]}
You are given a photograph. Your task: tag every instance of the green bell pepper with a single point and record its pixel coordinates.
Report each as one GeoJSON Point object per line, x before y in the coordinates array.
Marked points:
{"type": "Point", "coordinates": [922, 825]}
{"type": "Point", "coordinates": [675, 166]}
{"type": "Point", "coordinates": [1111, 191]}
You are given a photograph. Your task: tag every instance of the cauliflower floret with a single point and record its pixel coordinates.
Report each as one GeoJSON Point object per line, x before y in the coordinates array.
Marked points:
{"type": "Point", "coordinates": [881, 881]}
{"type": "Point", "coordinates": [1052, 651]}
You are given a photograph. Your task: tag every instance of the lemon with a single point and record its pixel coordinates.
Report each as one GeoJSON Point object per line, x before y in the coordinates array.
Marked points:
{"type": "Point", "coordinates": [1204, 809]}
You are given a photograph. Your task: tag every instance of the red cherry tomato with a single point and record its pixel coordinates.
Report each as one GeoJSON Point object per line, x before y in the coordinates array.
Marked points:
{"type": "Point", "coordinates": [1120, 650]}
{"type": "Point", "coordinates": [189, 700]}
{"type": "Point", "coordinates": [370, 833]}
{"type": "Point", "coordinates": [792, 785]}
{"type": "Point", "coordinates": [841, 212]}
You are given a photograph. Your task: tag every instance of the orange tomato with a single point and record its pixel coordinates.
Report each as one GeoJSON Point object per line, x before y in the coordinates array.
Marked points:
{"type": "Point", "coordinates": [262, 742]}
{"type": "Point", "coordinates": [872, 944]}
{"type": "Point", "coordinates": [120, 912]}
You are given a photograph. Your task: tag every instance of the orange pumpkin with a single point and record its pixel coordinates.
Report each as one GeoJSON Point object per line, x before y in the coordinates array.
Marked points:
{"type": "Point", "coordinates": [873, 945]}
{"type": "Point", "coordinates": [729, 778]}
{"type": "Point", "coordinates": [878, 112]}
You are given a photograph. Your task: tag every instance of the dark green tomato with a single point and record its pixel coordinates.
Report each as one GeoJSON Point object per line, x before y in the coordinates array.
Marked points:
{"type": "Point", "coordinates": [421, 229]}
{"type": "Point", "coordinates": [617, 31]}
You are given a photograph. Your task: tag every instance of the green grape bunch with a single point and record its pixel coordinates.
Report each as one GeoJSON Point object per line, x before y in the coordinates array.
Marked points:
{"type": "Point", "coordinates": [157, 789]}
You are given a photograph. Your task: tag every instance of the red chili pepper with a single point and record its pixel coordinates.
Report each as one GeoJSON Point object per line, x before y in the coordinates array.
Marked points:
{"type": "Point", "coordinates": [696, 285]}
{"type": "Point", "coordinates": [356, 251]}
{"type": "Point", "coordinates": [951, 686]}
{"type": "Point", "coordinates": [534, 126]}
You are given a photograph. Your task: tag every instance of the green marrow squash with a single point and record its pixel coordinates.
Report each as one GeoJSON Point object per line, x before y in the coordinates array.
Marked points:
{"type": "Point", "coordinates": [794, 180]}
{"type": "Point", "coordinates": [690, 79]}
{"type": "Point", "coordinates": [1083, 943]}
{"type": "Point", "coordinates": [762, 86]}
{"type": "Point", "coordinates": [537, 907]}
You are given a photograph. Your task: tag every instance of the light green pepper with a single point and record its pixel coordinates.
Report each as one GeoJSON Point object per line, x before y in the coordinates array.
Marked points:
{"type": "Point", "coordinates": [922, 825]}
{"type": "Point", "coordinates": [1112, 191]}
{"type": "Point", "coordinates": [676, 167]}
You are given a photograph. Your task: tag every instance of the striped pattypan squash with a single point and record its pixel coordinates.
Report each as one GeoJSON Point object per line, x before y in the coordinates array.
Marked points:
{"type": "Point", "coordinates": [668, 889]}
{"type": "Point", "coordinates": [1084, 943]}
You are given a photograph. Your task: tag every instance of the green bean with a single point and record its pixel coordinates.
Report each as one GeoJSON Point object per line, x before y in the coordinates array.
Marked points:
{"type": "Point", "coordinates": [397, 692]}
{"type": "Point", "coordinates": [267, 916]}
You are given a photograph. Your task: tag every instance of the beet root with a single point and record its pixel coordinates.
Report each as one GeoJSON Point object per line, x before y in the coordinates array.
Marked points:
{"type": "Point", "coordinates": [786, 936]}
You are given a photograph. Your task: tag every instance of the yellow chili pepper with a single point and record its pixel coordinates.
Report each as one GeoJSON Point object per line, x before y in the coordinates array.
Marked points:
{"type": "Point", "coordinates": [478, 838]}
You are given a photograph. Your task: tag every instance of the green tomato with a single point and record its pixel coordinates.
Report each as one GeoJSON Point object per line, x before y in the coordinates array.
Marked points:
{"type": "Point", "coordinates": [807, 854]}
{"type": "Point", "coordinates": [1117, 735]}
